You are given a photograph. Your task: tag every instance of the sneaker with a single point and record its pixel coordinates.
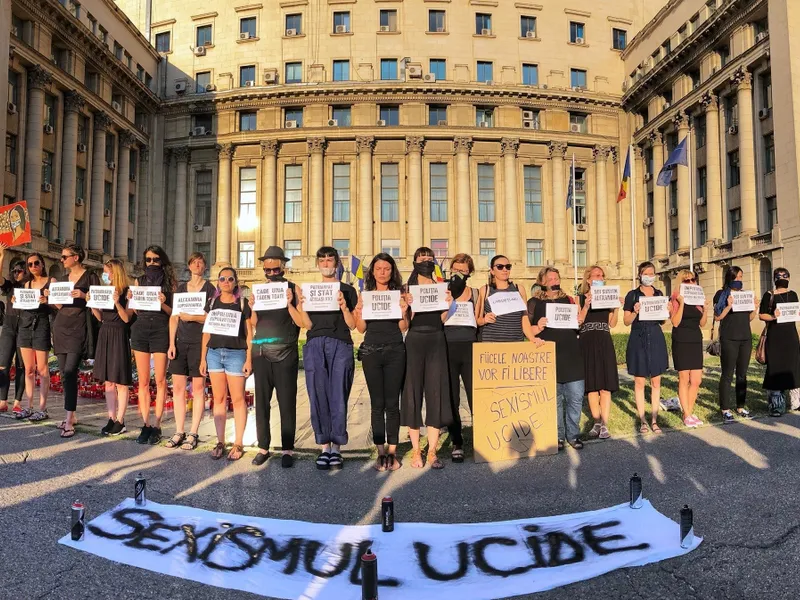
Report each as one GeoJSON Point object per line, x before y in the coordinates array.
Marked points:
{"type": "Point", "coordinates": [727, 417]}
{"type": "Point", "coordinates": [576, 443]}
{"type": "Point", "coordinates": [109, 426]}
{"type": "Point", "coordinates": [117, 429]}
{"type": "Point", "coordinates": [744, 413]}
{"type": "Point", "coordinates": [287, 461]}
{"type": "Point", "coordinates": [604, 433]}
{"type": "Point", "coordinates": [144, 436]}
{"type": "Point", "coordinates": [155, 435]}
{"type": "Point", "coordinates": [594, 432]}
{"type": "Point", "coordinates": [689, 422]}
{"type": "Point", "coordinates": [697, 422]}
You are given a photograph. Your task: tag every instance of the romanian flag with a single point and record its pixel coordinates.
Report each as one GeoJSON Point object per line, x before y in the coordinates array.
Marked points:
{"type": "Point", "coordinates": [626, 176]}
{"type": "Point", "coordinates": [437, 271]}
{"type": "Point", "coordinates": [357, 270]}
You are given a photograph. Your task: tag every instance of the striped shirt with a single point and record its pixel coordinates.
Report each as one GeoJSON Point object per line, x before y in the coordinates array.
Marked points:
{"type": "Point", "coordinates": [507, 328]}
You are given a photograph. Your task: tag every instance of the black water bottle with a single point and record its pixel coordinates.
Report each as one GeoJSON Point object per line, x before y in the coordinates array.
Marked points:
{"type": "Point", "coordinates": [687, 527]}
{"type": "Point", "coordinates": [636, 491]}
{"type": "Point", "coordinates": [369, 576]}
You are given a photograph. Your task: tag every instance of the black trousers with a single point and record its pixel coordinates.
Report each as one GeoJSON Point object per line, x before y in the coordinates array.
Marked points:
{"type": "Point", "coordinates": [9, 352]}
{"type": "Point", "coordinates": [735, 355]}
{"type": "Point", "coordinates": [384, 370]}
{"type": "Point", "coordinates": [459, 361]}
{"type": "Point", "coordinates": [280, 377]}
{"type": "Point", "coordinates": [68, 365]}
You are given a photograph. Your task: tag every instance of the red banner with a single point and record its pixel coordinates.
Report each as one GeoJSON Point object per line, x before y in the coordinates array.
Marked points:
{"type": "Point", "coordinates": [15, 224]}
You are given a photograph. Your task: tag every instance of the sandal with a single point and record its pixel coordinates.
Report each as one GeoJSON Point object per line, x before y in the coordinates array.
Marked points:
{"type": "Point", "coordinates": [218, 451]}
{"type": "Point", "coordinates": [68, 433]}
{"type": "Point", "coordinates": [392, 464]}
{"type": "Point", "coordinates": [416, 459]}
{"type": "Point", "coordinates": [324, 461]}
{"type": "Point", "coordinates": [643, 428]}
{"type": "Point", "coordinates": [26, 412]}
{"type": "Point", "coordinates": [336, 460]}
{"type": "Point", "coordinates": [64, 424]}
{"type": "Point", "coordinates": [380, 464]}
{"type": "Point", "coordinates": [176, 440]}
{"type": "Point", "coordinates": [191, 442]}
{"type": "Point", "coordinates": [457, 455]}
{"type": "Point", "coordinates": [654, 426]}
{"type": "Point", "coordinates": [39, 415]}
{"type": "Point", "coordinates": [236, 448]}
{"type": "Point", "coordinates": [434, 462]}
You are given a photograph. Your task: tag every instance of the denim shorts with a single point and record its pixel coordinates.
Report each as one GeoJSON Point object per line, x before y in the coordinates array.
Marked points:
{"type": "Point", "coordinates": [225, 360]}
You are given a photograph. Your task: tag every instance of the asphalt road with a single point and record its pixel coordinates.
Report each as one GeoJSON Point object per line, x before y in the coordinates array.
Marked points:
{"type": "Point", "coordinates": [742, 481]}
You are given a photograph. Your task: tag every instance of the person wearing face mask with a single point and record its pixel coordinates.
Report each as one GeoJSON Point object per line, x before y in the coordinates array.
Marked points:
{"type": "Point", "coordinates": [783, 345]}
{"type": "Point", "coordinates": [646, 355]}
{"type": "Point", "coordinates": [276, 360]}
{"type": "Point", "coordinates": [500, 328]}
{"type": "Point", "coordinates": [9, 352]}
{"type": "Point", "coordinates": [736, 345]}
{"type": "Point", "coordinates": [328, 363]}
{"type": "Point", "coordinates": [601, 376]}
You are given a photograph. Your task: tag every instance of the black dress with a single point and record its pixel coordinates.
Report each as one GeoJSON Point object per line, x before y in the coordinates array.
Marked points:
{"type": "Point", "coordinates": [568, 367]}
{"type": "Point", "coordinates": [687, 340]}
{"type": "Point", "coordinates": [783, 346]}
{"type": "Point", "coordinates": [112, 358]}
{"type": "Point", "coordinates": [597, 349]}
{"type": "Point", "coordinates": [69, 326]}
{"type": "Point", "coordinates": [34, 325]}
{"type": "Point", "coordinates": [646, 354]}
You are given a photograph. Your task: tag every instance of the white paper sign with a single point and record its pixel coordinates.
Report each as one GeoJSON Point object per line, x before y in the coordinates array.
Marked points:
{"type": "Point", "coordinates": [101, 297]}
{"type": "Point", "coordinates": [504, 303]}
{"type": "Point", "coordinates": [270, 296]}
{"type": "Point", "coordinates": [790, 312]}
{"type": "Point", "coordinates": [60, 293]}
{"type": "Point", "coordinates": [693, 295]}
{"type": "Point", "coordinates": [381, 305]}
{"type": "Point", "coordinates": [561, 316]}
{"type": "Point", "coordinates": [744, 301]}
{"type": "Point", "coordinates": [464, 316]}
{"type": "Point", "coordinates": [653, 308]}
{"type": "Point", "coordinates": [189, 303]}
{"type": "Point", "coordinates": [223, 321]}
{"type": "Point", "coordinates": [26, 299]}
{"type": "Point", "coordinates": [145, 297]}
{"type": "Point", "coordinates": [605, 296]}
{"type": "Point", "coordinates": [321, 297]}
{"type": "Point", "coordinates": [429, 297]}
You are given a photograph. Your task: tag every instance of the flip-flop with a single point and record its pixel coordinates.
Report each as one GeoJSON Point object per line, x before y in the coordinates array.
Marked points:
{"type": "Point", "coordinates": [68, 433]}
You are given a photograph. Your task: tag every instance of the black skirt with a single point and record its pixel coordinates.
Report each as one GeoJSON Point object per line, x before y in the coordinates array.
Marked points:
{"type": "Point", "coordinates": [112, 358]}
{"type": "Point", "coordinates": [599, 361]}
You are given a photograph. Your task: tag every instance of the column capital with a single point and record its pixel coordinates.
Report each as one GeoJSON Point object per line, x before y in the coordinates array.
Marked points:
{"type": "Point", "coordinates": [742, 79]}
{"type": "Point", "coordinates": [102, 121]}
{"type": "Point", "coordinates": [144, 154]}
{"type": "Point", "coordinates": [73, 102]}
{"type": "Point", "coordinates": [601, 153]}
{"type": "Point", "coordinates": [681, 120]}
{"type": "Point", "coordinates": [39, 78]}
{"type": "Point", "coordinates": [316, 145]}
{"type": "Point", "coordinates": [710, 101]}
{"type": "Point", "coordinates": [225, 151]}
{"type": "Point", "coordinates": [509, 146]}
{"type": "Point", "coordinates": [126, 138]}
{"type": "Point", "coordinates": [181, 154]}
{"type": "Point", "coordinates": [269, 148]}
{"type": "Point", "coordinates": [557, 149]}
{"type": "Point", "coordinates": [656, 138]}
{"type": "Point", "coordinates": [365, 143]}
{"type": "Point", "coordinates": [638, 152]}
{"type": "Point", "coordinates": [415, 143]}
{"type": "Point", "coordinates": [462, 144]}
{"type": "Point", "coordinates": [614, 151]}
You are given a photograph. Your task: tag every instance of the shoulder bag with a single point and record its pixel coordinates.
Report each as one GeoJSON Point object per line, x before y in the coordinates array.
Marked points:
{"type": "Point", "coordinates": [761, 348]}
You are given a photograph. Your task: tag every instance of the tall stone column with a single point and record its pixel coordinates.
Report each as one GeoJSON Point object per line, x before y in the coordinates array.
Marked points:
{"type": "Point", "coordinates": [743, 80]}
{"type": "Point", "coordinates": [659, 198]}
{"type": "Point", "coordinates": [269, 194]}
{"type": "Point", "coordinates": [463, 145]}
{"type": "Point", "coordinates": [513, 242]}
{"type": "Point", "coordinates": [143, 206]}
{"type": "Point", "coordinates": [713, 170]}
{"type": "Point", "coordinates": [316, 147]}
{"type": "Point", "coordinates": [38, 80]}
{"type": "Point", "coordinates": [5, 35]}
{"type": "Point", "coordinates": [223, 225]}
{"type": "Point", "coordinates": [639, 237]}
{"type": "Point", "coordinates": [560, 252]}
{"type": "Point", "coordinates": [364, 146]}
{"type": "Point", "coordinates": [414, 148]}
{"type": "Point", "coordinates": [601, 202]}
{"type": "Point", "coordinates": [73, 104]}
{"type": "Point", "coordinates": [684, 196]}
{"type": "Point", "coordinates": [126, 140]}
{"type": "Point", "coordinates": [102, 122]}
{"type": "Point", "coordinates": [181, 155]}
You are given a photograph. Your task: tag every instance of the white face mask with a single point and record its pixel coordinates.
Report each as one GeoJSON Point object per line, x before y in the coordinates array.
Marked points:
{"type": "Point", "coordinates": [106, 278]}
{"type": "Point", "coordinates": [648, 279]}
{"type": "Point", "coordinates": [327, 272]}
{"type": "Point", "coordinates": [597, 282]}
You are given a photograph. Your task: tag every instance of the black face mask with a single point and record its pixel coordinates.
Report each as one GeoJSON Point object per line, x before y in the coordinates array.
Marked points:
{"type": "Point", "coordinates": [555, 288]}
{"type": "Point", "coordinates": [154, 274]}
{"type": "Point", "coordinates": [425, 268]}
{"type": "Point", "coordinates": [275, 277]}
{"type": "Point", "coordinates": [457, 285]}
{"type": "Point", "coordinates": [781, 284]}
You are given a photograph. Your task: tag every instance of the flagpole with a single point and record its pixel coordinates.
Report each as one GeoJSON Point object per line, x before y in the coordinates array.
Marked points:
{"type": "Point", "coordinates": [574, 226]}
{"type": "Point", "coordinates": [691, 197]}
{"type": "Point", "coordinates": [632, 184]}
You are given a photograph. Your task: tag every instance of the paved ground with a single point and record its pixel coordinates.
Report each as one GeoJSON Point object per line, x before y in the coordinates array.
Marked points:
{"type": "Point", "coordinates": [741, 480]}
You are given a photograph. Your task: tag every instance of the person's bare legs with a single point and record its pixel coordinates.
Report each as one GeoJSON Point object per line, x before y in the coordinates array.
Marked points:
{"type": "Point", "coordinates": [219, 390]}
{"type": "Point", "coordinates": [605, 407]}
{"type": "Point", "coordinates": [29, 358]}
{"type": "Point", "coordinates": [638, 394]}
{"type": "Point", "coordinates": [236, 388]}
{"type": "Point", "coordinates": [179, 402]}
{"type": "Point", "coordinates": [160, 364]}
{"type": "Point", "coordinates": [123, 394]}
{"type": "Point", "coordinates": [683, 393]}
{"type": "Point", "coordinates": [416, 461]}
{"type": "Point", "coordinates": [655, 398]}
{"type": "Point", "coordinates": [111, 399]}
{"type": "Point", "coordinates": [695, 379]}
{"type": "Point", "coordinates": [198, 402]}
{"type": "Point", "coordinates": [143, 372]}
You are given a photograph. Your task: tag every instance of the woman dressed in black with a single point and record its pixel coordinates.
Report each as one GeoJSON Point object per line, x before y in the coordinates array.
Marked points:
{"type": "Point", "coordinates": [783, 345]}
{"type": "Point", "coordinates": [8, 337]}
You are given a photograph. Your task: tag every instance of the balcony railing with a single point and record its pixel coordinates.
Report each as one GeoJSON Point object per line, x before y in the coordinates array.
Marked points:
{"type": "Point", "coordinates": [762, 239]}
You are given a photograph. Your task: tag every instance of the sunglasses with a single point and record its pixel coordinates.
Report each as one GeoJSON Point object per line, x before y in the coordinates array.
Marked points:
{"type": "Point", "coordinates": [692, 280]}
{"type": "Point", "coordinates": [781, 276]}
{"type": "Point", "coordinates": [35, 263]}
{"type": "Point", "coordinates": [152, 260]}
{"type": "Point", "coordinates": [66, 256]}
{"type": "Point", "coordinates": [17, 271]}
{"type": "Point", "coordinates": [503, 267]}
{"type": "Point", "coordinates": [274, 271]}
{"type": "Point", "coordinates": [229, 279]}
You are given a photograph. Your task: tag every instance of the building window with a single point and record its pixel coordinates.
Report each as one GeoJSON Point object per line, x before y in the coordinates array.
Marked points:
{"type": "Point", "coordinates": [108, 197]}
{"type": "Point", "coordinates": [580, 196]}
{"type": "Point", "coordinates": [484, 116]}
{"type": "Point", "coordinates": [733, 169]}
{"type": "Point", "coordinates": [342, 247]}
{"type": "Point", "coordinates": [47, 167]}
{"type": "Point", "coordinates": [203, 35]}
{"type": "Point", "coordinates": [118, 51]}
{"type": "Point", "coordinates": [576, 32]}
{"type": "Point", "coordinates": [530, 74]}
{"type": "Point", "coordinates": [485, 71]}
{"type": "Point", "coordinates": [527, 26]}
{"type": "Point", "coordinates": [388, 20]}
{"type": "Point", "coordinates": [202, 81]}
{"type": "Point", "coordinates": [440, 249]}
{"type": "Point", "coordinates": [651, 246]}
{"type": "Point", "coordinates": [47, 222]}
{"type": "Point", "coordinates": [437, 114]}
{"type": "Point", "coordinates": [534, 252]}
{"type": "Point", "coordinates": [203, 121]}
{"type": "Point", "coordinates": [486, 193]}
{"type": "Point", "coordinates": [131, 256]}
{"type": "Point", "coordinates": [766, 92]}
{"type": "Point", "coordinates": [292, 248]}
{"type": "Point", "coordinates": [341, 193]}
{"type": "Point", "coordinates": [438, 192]}
{"type": "Point", "coordinates": [580, 250]}
{"type": "Point", "coordinates": [649, 209]}
{"type": "Point", "coordinates": [341, 22]}
{"type": "Point", "coordinates": [436, 21]}
{"type": "Point", "coordinates": [110, 141]}
{"type": "Point", "coordinates": [294, 72]}
{"type": "Point", "coordinates": [202, 198]}
{"type": "Point", "coordinates": [247, 195]}
{"type": "Point", "coordinates": [106, 241]}
{"type": "Point", "coordinates": [248, 26]}
{"type": "Point", "coordinates": [769, 153]}
{"type": "Point", "coordinates": [620, 38]}
{"type": "Point", "coordinates": [772, 212]}
{"type": "Point", "coordinates": [532, 184]}
{"type": "Point", "coordinates": [104, 36]}
{"type": "Point", "coordinates": [702, 182]}
{"type": "Point", "coordinates": [487, 247]}
{"type": "Point", "coordinates": [673, 233]}
{"type": "Point", "coordinates": [438, 67]}
{"type": "Point", "coordinates": [247, 255]}
{"type": "Point", "coordinates": [13, 87]}
{"type": "Point", "coordinates": [578, 123]}
{"type": "Point", "coordinates": [11, 153]}
{"type": "Point", "coordinates": [247, 121]}
{"type": "Point", "coordinates": [50, 111]}
{"type": "Point", "coordinates": [694, 75]}
{"type": "Point", "coordinates": [91, 80]}
{"type": "Point", "coordinates": [294, 24]}
{"type": "Point", "coordinates": [391, 247]}
{"type": "Point", "coordinates": [731, 111]}
{"type": "Point", "coordinates": [577, 78]}
{"type": "Point", "coordinates": [390, 114]}
{"type": "Point", "coordinates": [80, 183]}
{"type": "Point", "coordinates": [389, 68]}
{"type": "Point", "coordinates": [673, 195]}
{"type": "Point", "coordinates": [293, 194]}
{"type": "Point", "coordinates": [341, 114]}
{"type": "Point", "coordinates": [700, 133]}
{"type": "Point", "coordinates": [483, 24]}
{"type": "Point", "coordinates": [247, 73]}
{"type": "Point", "coordinates": [79, 233]}
{"type": "Point", "coordinates": [131, 208]}
{"type": "Point", "coordinates": [724, 55]}
{"type": "Point", "coordinates": [390, 192]}
{"type": "Point", "coordinates": [129, 61]}
{"type": "Point", "coordinates": [341, 70]}
{"type": "Point", "coordinates": [293, 114]}
{"type": "Point", "coordinates": [702, 232]}
{"type": "Point", "coordinates": [736, 222]}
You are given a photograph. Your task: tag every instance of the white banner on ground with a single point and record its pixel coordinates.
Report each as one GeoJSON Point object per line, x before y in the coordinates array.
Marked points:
{"type": "Point", "coordinates": [790, 312]}
{"type": "Point", "coordinates": [270, 296]}
{"type": "Point", "coordinates": [561, 316]}
{"type": "Point", "coordinates": [26, 298]}
{"type": "Point", "coordinates": [60, 293]}
{"type": "Point", "coordinates": [145, 297]}
{"type": "Point", "coordinates": [321, 297]}
{"type": "Point", "coordinates": [222, 321]}
{"type": "Point", "coordinates": [653, 308]}
{"type": "Point", "coordinates": [463, 316]}
{"type": "Point", "coordinates": [744, 301]}
{"type": "Point", "coordinates": [381, 305]}
{"type": "Point", "coordinates": [693, 295]}
{"type": "Point", "coordinates": [101, 297]}
{"type": "Point", "coordinates": [605, 296]}
{"type": "Point", "coordinates": [428, 298]}
{"type": "Point", "coordinates": [295, 559]}
{"type": "Point", "coordinates": [505, 303]}
{"type": "Point", "coordinates": [189, 303]}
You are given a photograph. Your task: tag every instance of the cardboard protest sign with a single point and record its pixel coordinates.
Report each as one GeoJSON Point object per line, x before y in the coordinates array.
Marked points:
{"type": "Point", "coordinates": [222, 321]}
{"type": "Point", "coordinates": [561, 316]}
{"type": "Point", "coordinates": [61, 293]}
{"type": "Point", "coordinates": [381, 305]}
{"type": "Point", "coordinates": [789, 312]}
{"type": "Point", "coordinates": [605, 296]}
{"type": "Point", "coordinates": [15, 224]}
{"type": "Point", "coordinates": [270, 296]}
{"type": "Point", "coordinates": [514, 400]}
{"type": "Point", "coordinates": [428, 298]}
{"type": "Point", "coordinates": [463, 316]}
{"type": "Point", "coordinates": [189, 303]}
{"type": "Point", "coordinates": [145, 297]}
{"type": "Point", "coordinates": [101, 297]}
{"type": "Point", "coordinates": [693, 295]}
{"type": "Point", "coordinates": [26, 298]}
{"type": "Point", "coordinates": [321, 297]}
{"type": "Point", "coordinates": [744, 301]}
{"type": "Point", "coordinates": [504, 303]}
{"type": "Point", "coordinates": [653, 308]}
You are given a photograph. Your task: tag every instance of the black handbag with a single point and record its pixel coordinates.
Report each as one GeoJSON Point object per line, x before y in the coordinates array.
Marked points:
{"type": "Point", "coordinates": [714, 348]}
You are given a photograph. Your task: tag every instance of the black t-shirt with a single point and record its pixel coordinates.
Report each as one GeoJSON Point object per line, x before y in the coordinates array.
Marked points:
{"type": "Point", "coordinates": [7, 290]}
{"type": "Point", "coordinates": [228, 341]}
{"type": "Point", "coordinates": [276, 327]}
{"type": "Point", "coordinates": [735, 326]}
{"type": "Point", "coordinates": [383, 331]}
{"type": "Point", "coordinates": [569, 364]}
{"type": "Point", "coordinates": [331, 324]}
{"type": "Point", "coordinates": [191, 332]}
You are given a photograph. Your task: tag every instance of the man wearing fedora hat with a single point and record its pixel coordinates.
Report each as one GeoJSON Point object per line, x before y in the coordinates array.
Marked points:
{"type": "Point", "coordinates": [275, 361]}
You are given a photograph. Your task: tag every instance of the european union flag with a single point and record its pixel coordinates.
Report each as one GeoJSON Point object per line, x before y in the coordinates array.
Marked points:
{"type": "Point", "coordinates": [678, 156]}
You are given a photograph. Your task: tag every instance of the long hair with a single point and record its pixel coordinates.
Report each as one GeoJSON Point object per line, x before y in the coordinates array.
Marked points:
{"type": "Point", "coordinates": [77, 250]}
{"type": "Point", "coordinates": [119, 279]}
{"type": "Point", "coordinates": [587, 273]}
{"type": "Point", "coordinates": [491, 266]}
{"type": "Point", "coordinates": [421, 251]}
{"type": "Point", "coordinates": [395, 281]}
{"type": "Point", "coordinates": [730, 275]}
{"type": "Point", "coordinates": [28, 275]}
{"type": "Point", "coordinates": [541, 293]}
{"type": "Point", "coordinates": [237, 293]}
{"type": "Point", "coordinates": [169, 271]}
